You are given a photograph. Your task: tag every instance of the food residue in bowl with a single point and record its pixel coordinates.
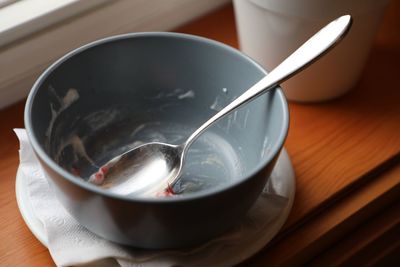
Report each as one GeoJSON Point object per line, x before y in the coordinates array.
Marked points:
{"type": "Point", "coordinates": [61, 104]}
{"type": "Point", "coordinates": [211, 161]}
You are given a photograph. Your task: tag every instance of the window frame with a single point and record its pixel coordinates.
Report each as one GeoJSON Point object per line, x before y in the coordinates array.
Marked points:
{"type": "Point", "coordinates": [21, 18]}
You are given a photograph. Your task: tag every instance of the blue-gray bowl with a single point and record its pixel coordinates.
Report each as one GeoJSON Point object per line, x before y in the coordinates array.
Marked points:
{"type": "Point", "coordinates": [103, 97]}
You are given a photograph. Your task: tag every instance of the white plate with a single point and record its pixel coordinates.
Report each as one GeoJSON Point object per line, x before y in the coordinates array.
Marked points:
{"type": "Point", "coordinates": [282, 175]}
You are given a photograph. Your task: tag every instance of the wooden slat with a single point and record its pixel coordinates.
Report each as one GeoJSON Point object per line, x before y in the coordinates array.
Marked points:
{"type": "Point", "coordinates": [368, 244]}
{"type": "Point", "coordinates": [292, 248]}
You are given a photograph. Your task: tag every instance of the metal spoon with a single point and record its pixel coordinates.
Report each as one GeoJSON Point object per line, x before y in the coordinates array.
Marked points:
{"type": "Point", "coordinates": [154, 167]}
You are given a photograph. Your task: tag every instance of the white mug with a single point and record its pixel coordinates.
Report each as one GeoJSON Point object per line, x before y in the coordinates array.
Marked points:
{"type": "Point", "coordinates": [270, 30]}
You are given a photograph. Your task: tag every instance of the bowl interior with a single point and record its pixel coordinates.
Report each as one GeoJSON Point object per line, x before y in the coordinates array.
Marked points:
{"type": "Point", "coordinates": [107, 97]}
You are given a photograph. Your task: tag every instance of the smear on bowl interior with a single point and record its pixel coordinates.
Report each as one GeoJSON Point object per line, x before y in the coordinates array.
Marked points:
{"type": "Point", "coordinates": [211, 161]}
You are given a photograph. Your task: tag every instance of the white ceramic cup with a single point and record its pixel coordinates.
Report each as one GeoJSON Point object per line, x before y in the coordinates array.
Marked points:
{"type": "Point", "coordinates": [270, 30]}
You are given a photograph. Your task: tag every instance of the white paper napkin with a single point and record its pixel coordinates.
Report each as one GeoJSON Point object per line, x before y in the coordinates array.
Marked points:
{"type": "Point", "coordinates": [70, 243]}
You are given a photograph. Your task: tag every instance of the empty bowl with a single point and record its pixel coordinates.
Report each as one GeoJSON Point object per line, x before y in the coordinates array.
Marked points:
{"type": "Point", "coordinates": [113, 94]}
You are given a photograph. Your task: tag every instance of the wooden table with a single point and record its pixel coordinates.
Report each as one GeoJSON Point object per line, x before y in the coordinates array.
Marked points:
{"type": "Point", "coordinates": [346, 155]}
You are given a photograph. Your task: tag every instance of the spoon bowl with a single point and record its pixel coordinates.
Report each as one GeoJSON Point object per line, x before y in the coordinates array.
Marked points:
{"type": "Point", "coordinates": [155, 161]}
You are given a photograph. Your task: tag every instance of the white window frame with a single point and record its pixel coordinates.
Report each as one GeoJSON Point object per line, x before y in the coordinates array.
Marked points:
{"type": "Point", "coordinates": [30, 41]}
{"type": "Point", "coordinates": [24, 17]}
{"type": "Point", "coordinates": [4, 3]}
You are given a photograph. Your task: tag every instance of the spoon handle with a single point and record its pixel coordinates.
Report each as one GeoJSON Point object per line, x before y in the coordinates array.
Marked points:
{"type": "Point", "coordinates": [311, 50]}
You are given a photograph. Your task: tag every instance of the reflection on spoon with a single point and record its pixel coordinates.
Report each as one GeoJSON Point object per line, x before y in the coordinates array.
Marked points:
{"type": "Point", "coordinates": [126, 171]}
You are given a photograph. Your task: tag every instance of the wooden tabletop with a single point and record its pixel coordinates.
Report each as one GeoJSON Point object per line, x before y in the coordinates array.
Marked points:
{"type": "Point", "coordinates": [346, 155]}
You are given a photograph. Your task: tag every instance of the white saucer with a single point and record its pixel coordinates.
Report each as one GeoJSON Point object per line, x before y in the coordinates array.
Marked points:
{"type": "Point", "coordinates": [282, 175]}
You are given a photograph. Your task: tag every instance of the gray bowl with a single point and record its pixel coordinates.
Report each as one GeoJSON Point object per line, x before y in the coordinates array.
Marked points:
{"type": "Point", "coordinates": [107, 96]}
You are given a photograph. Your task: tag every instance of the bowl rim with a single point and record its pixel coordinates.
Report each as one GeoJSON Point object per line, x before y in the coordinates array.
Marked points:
{"type": "Point", "coordinates": [275, 149]}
